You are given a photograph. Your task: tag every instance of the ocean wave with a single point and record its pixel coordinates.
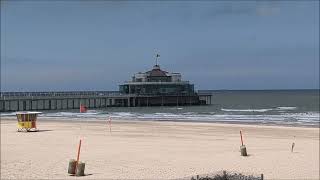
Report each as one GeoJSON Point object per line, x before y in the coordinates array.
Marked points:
{"type": "Point", "coordinates": [246, 110]}
{"type": "Point", "coordinates": [122, 114]}
{"type": "Point", "coordinates": [89, 114]}
{"type": "Point", "coordinates": [303, 118]}
{"type": "Point", "coordinates": [8, 114]}
{"type": "Point", "coordinates": [286, 108]}
{"type": "Point", "coordinates": [176, 108]}
{"type": "Point", "coordinates": [14, 113]}
{"type": "Point", "coordinates": [279, 109]}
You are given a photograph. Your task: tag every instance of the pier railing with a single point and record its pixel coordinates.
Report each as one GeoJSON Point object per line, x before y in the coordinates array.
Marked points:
{"type": "Point", "coordinates": [4, 95]}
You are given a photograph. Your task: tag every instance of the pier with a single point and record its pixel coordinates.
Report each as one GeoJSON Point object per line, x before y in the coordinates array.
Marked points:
{"type": "Point", "coordinates": [155, 87]}
{"type": "Point", "coordinates": [28, 101]}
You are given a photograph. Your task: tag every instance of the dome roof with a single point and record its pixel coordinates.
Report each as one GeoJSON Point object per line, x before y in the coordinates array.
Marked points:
{"type": "Point", "coordinates": [156, 71]}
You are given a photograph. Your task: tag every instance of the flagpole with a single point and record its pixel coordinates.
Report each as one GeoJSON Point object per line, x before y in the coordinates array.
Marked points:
{"type": "Point", "coordinates": [157, 55]}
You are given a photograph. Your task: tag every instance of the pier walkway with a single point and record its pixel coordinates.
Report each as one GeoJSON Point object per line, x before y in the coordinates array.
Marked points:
{"type": "Point", "coordinates": [59, 100]}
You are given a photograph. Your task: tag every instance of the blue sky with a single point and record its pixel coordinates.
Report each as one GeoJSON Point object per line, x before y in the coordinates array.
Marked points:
{"type": "Point", "coordinates": [96, 45]}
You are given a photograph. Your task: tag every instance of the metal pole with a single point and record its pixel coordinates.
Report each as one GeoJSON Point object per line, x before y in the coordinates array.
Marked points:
{"type": "Point", "coordinates": [241, 138]}
{"type": "Point", "coordinates": [78, 156]}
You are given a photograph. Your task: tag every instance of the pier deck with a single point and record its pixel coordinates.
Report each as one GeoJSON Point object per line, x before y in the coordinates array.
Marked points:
{"type": "Point", "coordinates": [24, 101]}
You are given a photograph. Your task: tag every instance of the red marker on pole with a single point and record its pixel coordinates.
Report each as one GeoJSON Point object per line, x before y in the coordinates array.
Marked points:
{"type": "Point", "coordinates": [241, 138]}
{"type": "Point", "coordinates": [78, 156]}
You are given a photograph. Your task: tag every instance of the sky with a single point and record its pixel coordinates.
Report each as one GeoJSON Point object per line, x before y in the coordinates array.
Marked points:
{"type": "Point", "coordinates": [97, 45]}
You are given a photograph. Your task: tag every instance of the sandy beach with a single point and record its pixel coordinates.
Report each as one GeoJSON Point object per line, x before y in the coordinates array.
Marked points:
{"type": "Point", "coordinates": [156, 150]}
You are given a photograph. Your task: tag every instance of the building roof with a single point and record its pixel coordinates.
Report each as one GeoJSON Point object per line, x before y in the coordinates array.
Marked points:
{"type": "Point", "coordinates": [156, 71]}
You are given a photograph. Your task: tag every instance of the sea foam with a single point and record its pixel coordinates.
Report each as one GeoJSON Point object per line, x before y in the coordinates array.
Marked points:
{"type": "Point", "coordinates": [246, 110]}
{"type": "Point", "coordinates": [286, 118]}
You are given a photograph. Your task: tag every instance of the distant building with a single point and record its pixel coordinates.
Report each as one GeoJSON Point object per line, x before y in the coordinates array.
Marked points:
{"type": "Point", "coordinates": [158, 87]}
{"type": "Point", "coordinates": [157, 82]}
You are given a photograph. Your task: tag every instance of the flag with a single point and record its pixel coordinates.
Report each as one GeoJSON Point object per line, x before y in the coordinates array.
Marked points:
{"type": "Point", "coordinates": [83, 108]}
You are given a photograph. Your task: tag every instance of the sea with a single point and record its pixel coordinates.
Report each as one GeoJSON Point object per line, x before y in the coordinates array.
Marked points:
{"type": "Point", "coordinates": [266, 107]}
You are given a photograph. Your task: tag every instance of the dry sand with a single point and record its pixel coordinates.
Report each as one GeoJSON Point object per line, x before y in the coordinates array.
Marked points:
{"type": "Point", "coordinates": [157, 150]}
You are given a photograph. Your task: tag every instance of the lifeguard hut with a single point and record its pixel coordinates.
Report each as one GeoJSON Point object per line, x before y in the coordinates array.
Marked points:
{"type": "Point", "coordinates": [27, 121]}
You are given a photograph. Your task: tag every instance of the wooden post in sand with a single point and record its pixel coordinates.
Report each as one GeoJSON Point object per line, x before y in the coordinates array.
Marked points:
{"type": "Point", "coordinates": [75, 166]}
{"type": "Point", "coordinates": [80, 169]}
{"type": "Point", "coordinates": [72, 166]}
{"type": "Point", "coordinates": [243, 148]}
{"type": "Point", "coordinates": [292, 146]}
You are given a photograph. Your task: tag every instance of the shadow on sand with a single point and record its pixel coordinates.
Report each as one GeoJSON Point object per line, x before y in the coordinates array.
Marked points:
{"type": "Point", "coordinates": [80, 176]}
{"type": "Point", "coordinates": [40, 130]}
